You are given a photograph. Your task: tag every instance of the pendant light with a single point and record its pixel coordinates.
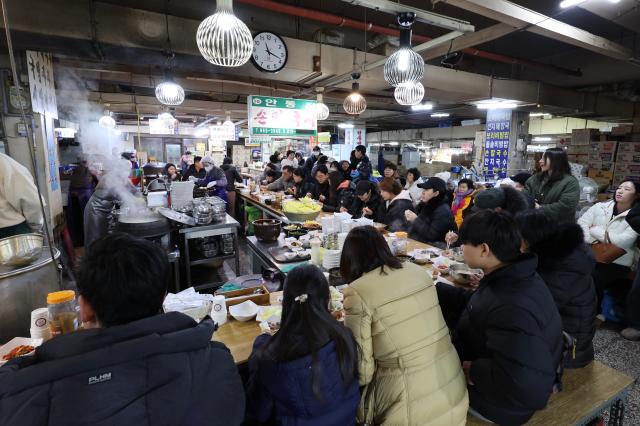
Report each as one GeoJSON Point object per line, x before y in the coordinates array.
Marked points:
{"type": "Point", "coordinates": [223, 39]}
{"type": "Point", "coordinates": [322, 110]}
{"type": "Point", "coordinates": [165, 115]}
{"type": "Point", "coordinates": [228, 122]}
{"type": "Point", "coordinates": [409, 93]}
{"type": "Point", "coordinates": [404, 65]}
{"type": "Point", "coordinates": [169, 92]}
{"type": "Point", "coordinates": [355, 103]}
{"type": "Point", "coordinates": [107, 121]}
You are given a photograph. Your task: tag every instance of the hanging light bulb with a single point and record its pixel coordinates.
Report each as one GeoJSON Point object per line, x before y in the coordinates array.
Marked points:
{"type": "Point", "coordinates": [404, 65]}
{"type": "Point", "coordinates": [355, 103]}
{"type": "Point", "coordinates": [223, 39]}
{"type": "Point", "coordinates": [228, 122]}
{"type": "Point", "coordinates": [107, 121]}
{"type": "Point", "coordinates": [322, 110]}
{"type": "Point", "coordinates": [165, 115]}
{"type": "Point", "coordinates": [169, 92]}
{"type": "Point", "coordinates": [409, 93]}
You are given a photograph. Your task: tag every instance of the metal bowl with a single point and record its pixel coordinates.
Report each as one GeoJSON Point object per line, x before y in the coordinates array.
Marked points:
{"type": "Point", "coordinates": [462, 274]}
{"type": "Point", "coordinates": [20, 250]}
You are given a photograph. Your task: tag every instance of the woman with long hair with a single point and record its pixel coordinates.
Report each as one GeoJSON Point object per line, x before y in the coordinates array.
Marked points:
{"type": "Point", "coordinates": [398, 202]}
{"type": "Point", "coordinates": [307, 373]}
{"type": "Point", "coordinates": [408, 366]}
{"type": "Point", "coordinates": [341, 193]}
{"type": "Point", "coordinates": [554, 189]}
{"type": "Point", "coordinates": [604, 224]}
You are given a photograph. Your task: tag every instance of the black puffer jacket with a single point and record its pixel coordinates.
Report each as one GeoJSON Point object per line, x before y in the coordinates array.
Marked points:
{"type": "Point", "coordinates": [375, 204]}
{"type": "Point", "coordinates": [511, 331]}
{"type": "Point", "coordinates": [433, 223]}
{"type": "Point", "coordinates": [565, 264]}
{"type": "Point", "coordinates": [162, 370]}
{"type": "Point", "coordinates": [344, 198]}
{"type": "Point", "coordinates": [394, 216]}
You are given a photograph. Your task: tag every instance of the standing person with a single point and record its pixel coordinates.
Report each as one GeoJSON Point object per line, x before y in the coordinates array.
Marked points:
{"type": "Point", "coordinates": [554, 189]}
{"type": "Point", "coordinates": [172, 173]}
{"type": "Point", "coordinates": [185, 161]}
{"type": "Point", "coordinates": [362, 169]}
{"type": "Point", "coordinates": [80, 190]}
{"type": "Point", "coordinates": [196, 170]}
{"type": "Point", "coordinates": [301, 186]}
{"type": "Point", "coordinates": [233, 177]}
{"type": "Point", "coordinates": [508, 332]}
{"type": "Point", "coordinates": [307, 373]}
{"type": "Point", "coordinates": [462, 200]}
{"type": "Point", "coordinates": [565, 263]}
{"type": "Point", "coordinates": [137, 365]}
{"type": "Point", "coordinates": [322, 161]}
{"type": "Point", "coordinates": [20, 211]}
{"type": "Point", "coordinates": [408, 367]}
{"type": "Point", "coordinates": [311, 161]}
{"type": "Point", "coordinates": [215, 180]}
{"type": "Point", "coordinates": [433, 218]}
{"type": "Point", "coordinates": [604, 224]}
{"type": "Point", "coordinates": [413, 179]}
{"type": "Point", "coordinates": [289, 160]}
{"type": "Point", "coordinates": [398, 202]}
{"type": "Point", "coordinates": [632, 313]}
{"type": "Point", "coordinates": [275, 160]}
{"type": "Point", "coordinates": [367, 202]}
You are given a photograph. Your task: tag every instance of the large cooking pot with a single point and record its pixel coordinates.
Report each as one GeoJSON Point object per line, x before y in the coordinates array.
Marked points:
{"type": "Point", "coordinates": [22, 290]}
{"type": "Point", "coordinates": [143, 226]}
{"type": "Point", "coordinates": [267, 230]}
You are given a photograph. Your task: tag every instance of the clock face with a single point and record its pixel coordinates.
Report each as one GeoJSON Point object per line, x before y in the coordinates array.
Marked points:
{"type": "Point", "coordinates": [269, 52]}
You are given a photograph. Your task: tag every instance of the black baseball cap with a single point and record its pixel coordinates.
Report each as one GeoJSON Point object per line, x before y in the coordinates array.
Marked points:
{"type": "Point", "coordinates": [434, 183]}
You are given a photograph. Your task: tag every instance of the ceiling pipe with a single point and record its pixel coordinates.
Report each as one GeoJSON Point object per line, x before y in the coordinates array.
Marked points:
{"type": "Point", "coordinates": [341, 21]}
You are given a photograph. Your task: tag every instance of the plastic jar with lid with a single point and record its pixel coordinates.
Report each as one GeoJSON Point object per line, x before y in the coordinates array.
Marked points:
{"type": "Point", "coordinates": [62, 312]}
{"type": "Point", "coordinates": [400, 244]}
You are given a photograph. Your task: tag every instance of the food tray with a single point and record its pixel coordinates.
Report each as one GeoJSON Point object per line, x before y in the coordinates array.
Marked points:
{"type": "Point", "coordinates": [278, 255]}
{"type": "Point", "coordinates": [236, 297]}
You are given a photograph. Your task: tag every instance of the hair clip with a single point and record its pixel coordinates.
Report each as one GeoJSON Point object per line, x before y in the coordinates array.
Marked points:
{"type": "Point", "coordinates": [302, 298]}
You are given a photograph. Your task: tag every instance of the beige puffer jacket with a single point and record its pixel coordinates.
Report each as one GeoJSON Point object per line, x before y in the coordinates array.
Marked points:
{"type": "Point", "coordinates": [408, 364]}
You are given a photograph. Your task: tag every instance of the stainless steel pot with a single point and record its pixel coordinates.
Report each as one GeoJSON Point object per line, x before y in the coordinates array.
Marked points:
{"type": "Point", "coordinates": [20, 250]}
{"type": "Point", "coordinates": [22, 290]}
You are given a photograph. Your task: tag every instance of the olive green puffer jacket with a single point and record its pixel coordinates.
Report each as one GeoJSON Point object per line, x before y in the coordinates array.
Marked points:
{"type": "Point", "coordinates": [559, 199]}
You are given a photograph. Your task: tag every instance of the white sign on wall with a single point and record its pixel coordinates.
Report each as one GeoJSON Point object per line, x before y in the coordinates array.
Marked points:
{"type": "Point", "coordinates": [43, 90]}
{"type": "Point", "coordinates": [355, 136]}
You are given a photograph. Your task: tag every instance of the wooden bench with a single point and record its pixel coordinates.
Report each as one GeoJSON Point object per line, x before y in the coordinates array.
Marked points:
{"type": "Point", "coordinates": [587, 393]}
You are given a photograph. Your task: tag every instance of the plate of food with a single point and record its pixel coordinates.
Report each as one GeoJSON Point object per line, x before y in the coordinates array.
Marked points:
{"type": "Point", "coordinates": [311, 225]}
{"type": "Point", "coordinates": [18, 346]}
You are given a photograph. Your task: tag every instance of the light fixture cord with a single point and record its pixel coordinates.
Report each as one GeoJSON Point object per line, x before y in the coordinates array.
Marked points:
{"type": "Point", "coordinates": [30, 139]}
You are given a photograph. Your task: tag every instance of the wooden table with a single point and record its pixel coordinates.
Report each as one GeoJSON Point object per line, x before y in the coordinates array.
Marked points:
{"type": "Point", "coordinates": [587, 392]}
{"type": "Point", "coordinates": [239, 337]}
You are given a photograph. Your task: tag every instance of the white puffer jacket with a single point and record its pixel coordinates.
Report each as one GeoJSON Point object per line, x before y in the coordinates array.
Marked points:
{"type": "Point", "coordinates": [599, 219]}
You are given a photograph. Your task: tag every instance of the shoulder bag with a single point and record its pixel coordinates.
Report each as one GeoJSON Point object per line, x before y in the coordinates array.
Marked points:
{"type": "Point", "coordinates": [606, 252]}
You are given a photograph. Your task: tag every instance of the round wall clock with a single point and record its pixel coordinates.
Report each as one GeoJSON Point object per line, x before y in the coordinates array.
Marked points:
{"type": "Point", "coordinates": [270, 53]}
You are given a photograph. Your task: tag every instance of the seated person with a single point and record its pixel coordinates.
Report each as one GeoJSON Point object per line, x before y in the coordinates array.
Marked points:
{"type": "Point", "coordinates": [367, 202]}
{"type": "Point", "coordinates": [270, 177]}
{"type": "Point", "coordinates": [391, 171]}
{"type": "Point", "coordinates": [267, 168]}
{"type": "Point", "coordinates": [398, 202]}
{"type": "Point", "coordinates": [565, 263]}
{"type": "Point", "coordinates": [302, 187]}
{"type": "Point", "coordinates": [307, 373]}
{"type": "Point", "coordinates": [508, 332]}
{"type": "Point", "coordinates": [341, 193]}
{"type": "Point", "coordinates": [519, 180]}
{"type": "Point", "coordinates": [413, 179]}
{"type": "Point", "coordinates": [606, 223]}
{"type": "Point", "coordinates": [172, 173]}
{"type": "Point", "coordinates": [505, 198]}
{"type": "Point", "coordinates": [462, 199]}
{"type": "Point", "coordinates": [632, 313]}
{"type": "Point", "coordinates": [433, 218]}
{"type": "Point", "coordinates": [283, 183]}
{"type": "Point", "coordinates": [195, 171]}
{"type": "Point", "coordinates": [138, 366]}
{"type": "Point", "coordinates": [321, 188]}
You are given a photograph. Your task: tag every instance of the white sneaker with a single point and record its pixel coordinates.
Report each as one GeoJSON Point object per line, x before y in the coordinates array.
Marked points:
{"type": "Point", "coordinates": [631, 333]}
{"type": "Point", "coordinates": [601, 318]}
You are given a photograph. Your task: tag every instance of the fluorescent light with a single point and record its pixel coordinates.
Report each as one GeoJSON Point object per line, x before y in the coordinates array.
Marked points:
{"type": "Point", "coordinates": [440, 114]}
{"type": "Point", "coordinates": [422, 107]}
{"type": "Point", "coordinates": [346, 125]}
{"type": "Point", "coordinates": [542, 139]}
{"type": "Point", "coordinates": [569, 3]}
{"type": "Point", "coordinates": [497, 105]}
{"type": "Point", "coordinates": [394, 143]}
{"type": "Point", "coordinates": [536, 114]}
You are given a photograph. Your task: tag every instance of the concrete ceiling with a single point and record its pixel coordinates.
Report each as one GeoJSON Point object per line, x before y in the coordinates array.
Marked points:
{"type": "Point", "coordinates": [123, 54]}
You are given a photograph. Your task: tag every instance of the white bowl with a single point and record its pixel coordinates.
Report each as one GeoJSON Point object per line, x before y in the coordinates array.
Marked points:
{"type": "Point", "coordinates": [290, 255]}
{"type": "Point", "coordinates": [244, 311]}
{"type": "Point", "coordinates": [14, 343]}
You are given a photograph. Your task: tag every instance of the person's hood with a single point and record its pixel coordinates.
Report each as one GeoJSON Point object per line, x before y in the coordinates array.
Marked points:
{"type": "Point", "coordinates": [85, 350]}
{"type": "Point", "coordinates": [567, 247]}
{"type": "Point", "coordinates": [403, 195]}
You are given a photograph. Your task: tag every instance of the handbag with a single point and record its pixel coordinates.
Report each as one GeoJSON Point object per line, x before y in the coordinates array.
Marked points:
{"type": "Point", "coordinates": [606, 252]}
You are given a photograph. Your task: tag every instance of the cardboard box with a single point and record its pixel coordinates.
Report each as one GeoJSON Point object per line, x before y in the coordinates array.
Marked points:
{"type": "Point", "coordinates": [621, 130]}
{"type": "Point", "coordinates": [584, 136]}
{"type": "Point", "coordinates": [579, 149]}
{"type": "Point", "coordinates": [603, 156]}
{"type": "Point", "coordinates": [605, 166]}
{"type": "Point", "coordinates": [600, 174]}
{"type": "Point", "coordinates": [628, 168]}
{"type": "Point", "coordinates": [580, 159]}
{"type": "Point", "coordinates": [628, 157]}
{"type": "Point", "coordinates": [619, 178]}
{"type": "Point", "coordinates": [605, 147]}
